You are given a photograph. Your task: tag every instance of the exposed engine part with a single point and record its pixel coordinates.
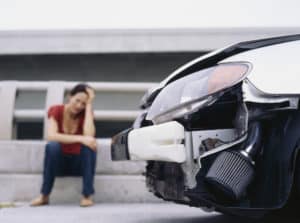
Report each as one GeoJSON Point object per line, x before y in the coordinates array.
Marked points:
{"type": "Point", "coordinates": [193, 141]}
{"type": "Point", "coordinates": [211, 143]}
{"type": "Point", "coordinates": [230, 175]}
{"type": "Point", "coordinates": [253, 142]}
{"type": "Point", "coordinates": [165, 180]}
{"type": "Point", "coordinates": [233, 171]}
{"type": "Point", "coordinates": [241, 119]}
{"type": "Point", "coordinates": [189, 167]}
{"type": "Point", "coordinates": [221, 148]}
{"type": "Point", "coordinates": [206, 140]}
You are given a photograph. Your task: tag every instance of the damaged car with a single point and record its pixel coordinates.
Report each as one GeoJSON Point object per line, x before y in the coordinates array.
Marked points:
{"type": "Point", "coordinates": [222, 132]}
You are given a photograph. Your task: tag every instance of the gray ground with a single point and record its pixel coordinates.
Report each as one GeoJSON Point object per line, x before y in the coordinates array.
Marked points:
{"type": "Point", "coordinates": [113, 213]}
{"type": "Point", "coordinates": [146, 213]}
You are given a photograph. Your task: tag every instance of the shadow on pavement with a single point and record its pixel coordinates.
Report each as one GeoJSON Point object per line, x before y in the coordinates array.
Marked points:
{"type": "Point", "coordinates": [221, 219]}
{"type": "Point", "coordinates": [200, 219]}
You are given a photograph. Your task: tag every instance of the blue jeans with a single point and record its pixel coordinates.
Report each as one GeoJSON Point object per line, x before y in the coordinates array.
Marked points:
{"type": "Point", "coordinates": [58, 164]}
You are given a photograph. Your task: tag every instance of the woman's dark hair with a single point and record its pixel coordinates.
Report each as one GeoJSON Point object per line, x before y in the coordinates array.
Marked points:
{"type": "Point", "coordinates": [79, 88]}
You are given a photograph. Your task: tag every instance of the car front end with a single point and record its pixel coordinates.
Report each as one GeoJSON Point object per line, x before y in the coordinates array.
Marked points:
{"type": "Point", "coordinates": [207, 135]}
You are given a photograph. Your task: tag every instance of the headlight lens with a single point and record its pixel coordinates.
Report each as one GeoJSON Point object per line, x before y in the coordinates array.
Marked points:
{"type": "Point", "coordinates": [195, 90]}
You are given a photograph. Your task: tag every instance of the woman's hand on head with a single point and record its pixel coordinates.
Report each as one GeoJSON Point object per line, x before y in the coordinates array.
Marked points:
{"type": "Point", "coordinates": [91, 94]}
{"type": "Point", "coordinates": [90, 142]}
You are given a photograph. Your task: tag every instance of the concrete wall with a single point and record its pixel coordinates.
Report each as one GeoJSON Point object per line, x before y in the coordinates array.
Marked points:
{"type": "Point", "coordinates": [135, 67]}
{"type": "Point", "coordinates": [131, 40]}
{"type": "Point", "coordinates": [141, 67]}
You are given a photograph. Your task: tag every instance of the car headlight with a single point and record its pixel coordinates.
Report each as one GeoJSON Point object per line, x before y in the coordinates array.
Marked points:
{"type": "Point", "coordinates": [196, 90]}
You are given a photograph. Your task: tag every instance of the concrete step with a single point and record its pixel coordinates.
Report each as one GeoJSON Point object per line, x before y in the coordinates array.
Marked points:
{"type": "Point", "coordinates": [109, 188]}
{"type": "Point", "coordinates": [23, 156]}
{"type": "Point", "coordinates": [21, 165]}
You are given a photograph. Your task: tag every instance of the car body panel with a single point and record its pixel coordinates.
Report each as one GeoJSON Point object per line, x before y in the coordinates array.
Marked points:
{"type": "Point", "coordinates": [275, 69]}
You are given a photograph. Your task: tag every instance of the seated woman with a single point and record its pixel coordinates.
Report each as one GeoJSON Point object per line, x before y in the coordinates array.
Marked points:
{"type": "Point", "coordinates": [71, 150]}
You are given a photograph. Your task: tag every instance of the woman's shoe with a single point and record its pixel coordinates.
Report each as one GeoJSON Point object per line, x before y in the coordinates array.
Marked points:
{"type": "Point", "coordinates": [41, 200]}
{"type": "Point", "coordinates": [86, 202]}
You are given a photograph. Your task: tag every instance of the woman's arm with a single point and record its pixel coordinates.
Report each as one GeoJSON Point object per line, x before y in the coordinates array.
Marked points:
{"type": "Point", "coordinates": [54, 135]}
{"type": "Point", "coordinates": [88, 124]}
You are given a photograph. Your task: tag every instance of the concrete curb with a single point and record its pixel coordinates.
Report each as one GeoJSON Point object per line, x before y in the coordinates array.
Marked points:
{"type": "Point", "coordinates": [109, 188]}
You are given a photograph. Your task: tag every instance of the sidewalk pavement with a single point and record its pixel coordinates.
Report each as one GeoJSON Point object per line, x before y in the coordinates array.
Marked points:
{"type": "Point", "coordinates": [108, 213]}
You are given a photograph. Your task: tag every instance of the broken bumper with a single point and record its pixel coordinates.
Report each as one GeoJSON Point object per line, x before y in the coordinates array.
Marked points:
{"type": "Point", "coordinates": [164, 142]}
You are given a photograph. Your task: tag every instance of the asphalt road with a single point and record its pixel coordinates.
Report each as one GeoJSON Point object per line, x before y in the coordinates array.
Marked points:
{"type": "Point", "coordinates": [115, 213]}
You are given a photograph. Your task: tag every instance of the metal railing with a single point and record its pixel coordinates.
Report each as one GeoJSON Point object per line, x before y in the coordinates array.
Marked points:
{"type": "Point", "coordinates": [55, 91]}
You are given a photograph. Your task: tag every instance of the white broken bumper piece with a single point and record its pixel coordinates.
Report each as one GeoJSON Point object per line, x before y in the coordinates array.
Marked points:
{"type": "Point", "coordinates": [162, 142]}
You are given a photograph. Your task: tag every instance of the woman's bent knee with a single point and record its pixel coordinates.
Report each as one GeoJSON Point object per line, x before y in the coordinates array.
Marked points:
{"type": "Point", "coordinates": [87, 153]}
{"type": "Point", "coordinates": [86, 149]}
{"type": "Point", "coordinates": [53, 148]}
